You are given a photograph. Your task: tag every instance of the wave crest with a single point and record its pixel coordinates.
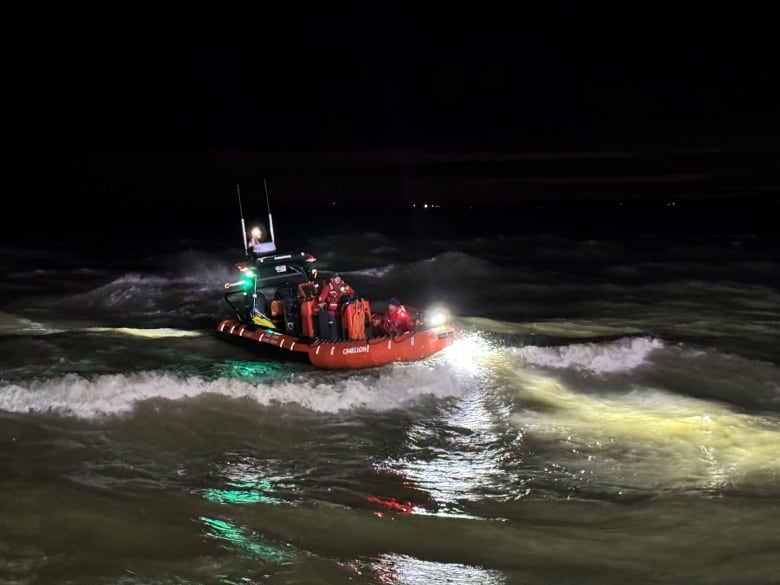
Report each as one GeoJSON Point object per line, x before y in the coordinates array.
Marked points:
{"type": "Point", "coordinates": [620, 355]}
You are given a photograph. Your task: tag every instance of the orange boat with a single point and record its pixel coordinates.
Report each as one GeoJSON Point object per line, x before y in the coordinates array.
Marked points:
{"type": "Point", "coordinates": [289, 322]}
{"type": "Point", "coordinates": [351, 337]}
{"type": "Point", "coordinates": [349, 354]}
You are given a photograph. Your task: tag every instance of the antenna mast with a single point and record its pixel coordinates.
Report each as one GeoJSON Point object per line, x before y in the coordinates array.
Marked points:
{"type": "Point", "coordinates": [243, 225]}
{"type": "Point", "coordinates": [270, 219]}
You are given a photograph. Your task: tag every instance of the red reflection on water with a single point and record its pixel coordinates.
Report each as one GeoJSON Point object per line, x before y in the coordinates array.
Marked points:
{"type": "Point", "coordinates": [392, 504]}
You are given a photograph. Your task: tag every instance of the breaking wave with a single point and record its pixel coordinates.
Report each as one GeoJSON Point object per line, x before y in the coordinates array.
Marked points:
{"type": "Point", "coordinates": [602, 358]}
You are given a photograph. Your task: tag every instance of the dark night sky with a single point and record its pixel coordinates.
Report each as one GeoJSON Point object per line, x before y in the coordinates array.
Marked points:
{"type": "Point", "coordinates": [431, 103]}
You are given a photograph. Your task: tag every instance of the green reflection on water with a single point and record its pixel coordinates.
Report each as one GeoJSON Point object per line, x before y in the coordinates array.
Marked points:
{"type": "Point", "coordinates": [236, 496]}
{"type": "Point", "coordinates": [245, 492]}
{"type": "Point", "coordinates": [246, 542]}
{"type": "Point", "coordinates": [251, 371]}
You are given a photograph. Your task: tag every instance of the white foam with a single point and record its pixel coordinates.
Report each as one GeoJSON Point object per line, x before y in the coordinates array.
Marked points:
{"type": "Point", "coordinates": [375, 272]}
{"type": "Point", "coordinates": [615, 356]}
{"type": "Point", "coordinates": [13, 325]}
{"type": "Point", "coordinates": [74, 395]}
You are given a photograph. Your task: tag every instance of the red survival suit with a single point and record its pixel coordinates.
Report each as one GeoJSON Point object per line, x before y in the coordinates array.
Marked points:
{"type": "Point", "coordinates": [331, 294]}
{"type": "Point", "coordinates": [397, 320]}
{"type": "Point", "coordinates": [329, 325]}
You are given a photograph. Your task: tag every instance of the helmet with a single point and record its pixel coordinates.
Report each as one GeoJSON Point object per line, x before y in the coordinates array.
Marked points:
{"type": "Point", "coordinates": [336, 278]}
{"type": "Point", "coordinates": [256, 232]}
{"type": "Point", "coordinates": [394, 301]}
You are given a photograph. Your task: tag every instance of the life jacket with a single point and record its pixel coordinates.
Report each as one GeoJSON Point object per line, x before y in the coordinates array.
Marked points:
{"type": "Point", "coordinates": [355, 318]}
{"type": "Point", "coordinates": [332, 298]}
{"type": "Point", "coordinates": [332, 295]}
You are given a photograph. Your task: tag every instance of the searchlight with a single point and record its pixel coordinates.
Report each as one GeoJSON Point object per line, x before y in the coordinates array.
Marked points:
{"type": "Point", "coordinates": [435, 316]}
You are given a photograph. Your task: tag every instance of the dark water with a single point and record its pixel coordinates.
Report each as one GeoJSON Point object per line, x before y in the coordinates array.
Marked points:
{"type": "Point", "coordinates": [612, 414]}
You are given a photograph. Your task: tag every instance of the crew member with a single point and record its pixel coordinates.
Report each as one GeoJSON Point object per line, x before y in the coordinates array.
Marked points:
{"type": "Point", "coordinates": [397, 319]}
{"type": "Point", "coordinates": [314, 278]}
{"type": "Point", "coordinates": [331, 293]}
{"type": "Point", "coordinates": [329, 324]}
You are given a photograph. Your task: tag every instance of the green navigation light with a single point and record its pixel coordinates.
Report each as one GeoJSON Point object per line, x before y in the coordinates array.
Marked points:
{"type": "Point", "coordinates": [248, 279]}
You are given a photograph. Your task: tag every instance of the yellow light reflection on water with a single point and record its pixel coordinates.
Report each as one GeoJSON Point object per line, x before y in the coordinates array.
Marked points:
{"type": "Point", "coordinates": [648, 437]}
{"type": "Point", "coordinates": [633, 438]}
{"type": "Point", "coordinates": [469, 353]}
{"type": "Point", "coordinates": [467, 464]}
{"type": "Point", "coordinates": [158, 333]}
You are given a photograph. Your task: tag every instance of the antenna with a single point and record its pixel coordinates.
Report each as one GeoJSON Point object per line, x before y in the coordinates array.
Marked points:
{"type": "Point", "coordinates": [243, 225]}
{"type": "Point", "coordinates": [270, 219]}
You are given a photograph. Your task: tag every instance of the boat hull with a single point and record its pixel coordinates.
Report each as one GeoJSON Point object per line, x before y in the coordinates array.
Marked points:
{"type": "Point", "coordinates": [344, 355]}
